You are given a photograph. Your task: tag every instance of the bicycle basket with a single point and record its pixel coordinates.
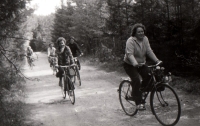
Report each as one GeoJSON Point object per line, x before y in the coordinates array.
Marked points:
{"type": "Point", "coordinates": [72, 72]}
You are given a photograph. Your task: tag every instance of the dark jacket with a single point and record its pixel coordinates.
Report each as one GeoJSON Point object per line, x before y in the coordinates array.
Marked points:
{"type": "Point", "coordinates": [65, 57]}
{"type": "Point", "coordinates": [74, 48]}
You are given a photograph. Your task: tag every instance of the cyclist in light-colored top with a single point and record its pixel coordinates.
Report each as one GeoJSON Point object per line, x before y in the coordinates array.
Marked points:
{"type": "Point", "coordinates": [51, 52]}
{"type": "Point", "coordinates": [29, 55]}
{"type": "Point", "coordinates": [136, 51]}
{"type": "Point", "coordinates": [29, 52]}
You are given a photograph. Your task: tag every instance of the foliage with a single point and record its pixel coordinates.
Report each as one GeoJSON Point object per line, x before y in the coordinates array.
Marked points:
{"type": "Point", "coordinates": [12, 38]}
{"type": "Point", "coordinates": [169, 23]}
{"type": "Point", "coordinates": [40, 29]}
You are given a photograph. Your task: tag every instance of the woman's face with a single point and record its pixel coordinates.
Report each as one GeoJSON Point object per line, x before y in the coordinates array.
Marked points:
{"type": "Point", "coordinates": [139, 33]}
{"type": "Point", "coordinates": [71, 41]}
{"type": "Point", "coordinates": [61, 43]}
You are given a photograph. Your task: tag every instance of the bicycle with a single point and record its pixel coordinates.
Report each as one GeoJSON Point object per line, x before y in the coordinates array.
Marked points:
{"type": "Point", "coordinates": [30, 61]}
{"type": "Point", "coordinates": [53, 62]}
{"type": "Point", "coordinates": [164, 101]}
{"type": "Point", "coordinates": [67, 84]}
{"type": "Point", "coordinates": [77, 62]}
{"type": "Point", "coordinates": [77, 73]}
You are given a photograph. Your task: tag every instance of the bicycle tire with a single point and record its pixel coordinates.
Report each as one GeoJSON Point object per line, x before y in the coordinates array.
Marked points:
{"type": "Point", "coordinates": [78, 76]}
{"type": "Point", "coordinates": [30, 63]}
{"type": "Point", "coordinates": [52, 64]}
{"type": "Point", "coordinates": [79, 65]}
{"type": "Point", "coordinates": [128, 106]}
{"type": "Point", "coordinates": [74, 77]}
{"type": "Point", "coordinates": [54, 69]}
{"type": "Point", "coordinates": [165, 105]}
{"type": "Point", "coordinates": [63, 86]}
{"type": "Point", "coordinates": [71, 93]}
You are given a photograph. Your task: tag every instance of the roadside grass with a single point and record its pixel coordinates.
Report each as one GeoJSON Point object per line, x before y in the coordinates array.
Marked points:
{"type": "Point", "coordinates": [12, 105]}
{"type": "Point", "coordinates": [190, 85]}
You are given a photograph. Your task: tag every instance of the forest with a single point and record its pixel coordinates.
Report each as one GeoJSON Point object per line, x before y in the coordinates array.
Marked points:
{"type": "Point", "coordinates": [101, 27]}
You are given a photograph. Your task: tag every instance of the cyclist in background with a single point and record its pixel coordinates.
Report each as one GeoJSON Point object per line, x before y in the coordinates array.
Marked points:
{"type": "Point", "coordinates": [29, 55]}
{"type": "Point", "coordinates": [51, 52]}
{"type": "Point", "coordinates": [75, 49]}
{"type": "Point", "coordinates": [65, 57]}
{"type": "Point", "coordinates": [29, 52]}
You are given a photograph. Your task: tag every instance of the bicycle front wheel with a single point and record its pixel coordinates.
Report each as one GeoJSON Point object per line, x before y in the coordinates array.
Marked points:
{"type": "Point", "coordinates": [30, 63]}
{"type": "Point", "coordinates": [71, 92]}
{"type": "Point", "coordinates": [165, 105]}
{"type": "Point", "coordinates": [128, 105]}
{"type": "Point", "coordinates": [63, 86]}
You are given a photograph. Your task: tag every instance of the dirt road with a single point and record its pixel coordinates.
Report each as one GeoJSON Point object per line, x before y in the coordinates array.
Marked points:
{"type": "Point", "coordinates": [97, 102]}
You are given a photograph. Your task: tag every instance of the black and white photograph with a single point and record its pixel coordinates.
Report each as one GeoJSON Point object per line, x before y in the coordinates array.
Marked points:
{"type": "Point", "coordinates": [100, 63]}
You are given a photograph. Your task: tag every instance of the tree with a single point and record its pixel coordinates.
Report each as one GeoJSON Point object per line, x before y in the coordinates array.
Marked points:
{"type": "Point", "coordinates": [13, 14]}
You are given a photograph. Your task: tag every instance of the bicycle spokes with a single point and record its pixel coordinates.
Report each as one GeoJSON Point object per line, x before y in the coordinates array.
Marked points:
{"type": "Point", "coordinates": [128, 105]}
{"type": "Point", "coordinates": [165, 105]}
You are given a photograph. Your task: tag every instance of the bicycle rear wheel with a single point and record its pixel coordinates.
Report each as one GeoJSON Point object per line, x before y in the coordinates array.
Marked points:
{"type": "Point", "coordinates": [128, 105]}
{"type": "Point", "coordinates": [63, 86]}
{"type": "Point", "coordinates": [165, 105]}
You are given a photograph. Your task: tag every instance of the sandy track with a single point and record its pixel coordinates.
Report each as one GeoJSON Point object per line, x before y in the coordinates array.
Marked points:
{"type": "Point", "coordinates": [97, 102]}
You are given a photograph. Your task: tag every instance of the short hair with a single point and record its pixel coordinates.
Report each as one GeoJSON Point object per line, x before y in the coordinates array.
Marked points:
{"type": "Point", "coordinates": [72, 37]}
{"type": "Point", "coordinates": [50, 44]}
{"type": "Point", "coordinates": [60, 39]}
{"type": "Point", "coordinates": [135, 26]}
{"type": "Point", "coordinates": [28, 47]}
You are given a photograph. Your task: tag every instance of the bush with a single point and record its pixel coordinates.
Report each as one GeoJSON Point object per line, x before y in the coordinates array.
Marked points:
{"type": "Point", "coordinates": [190, 85]}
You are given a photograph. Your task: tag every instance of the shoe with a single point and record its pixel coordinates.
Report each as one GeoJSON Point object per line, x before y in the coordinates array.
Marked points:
{"type": "Point", "coordinates": [141, 107]}
{"type": "Point", "coordinates": [130, 98]}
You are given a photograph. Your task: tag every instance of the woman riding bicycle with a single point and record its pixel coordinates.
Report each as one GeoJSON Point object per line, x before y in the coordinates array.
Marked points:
{"type": "Point", "coordinates": [29, 52]}
{"type": "Point", "coordinates": [51, 52]}
{"type": "Point", "coordinates": [64, 57]}
{"type": "Point", "coordinates": [136, 51]}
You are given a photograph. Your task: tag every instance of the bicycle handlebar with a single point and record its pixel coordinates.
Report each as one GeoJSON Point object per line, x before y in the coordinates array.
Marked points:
{"type": "Point", "coordinates": [157, 64]}
{"type": "Point", "coordinates": [52, 56]}
{"type": "Point", "coordinates": [66, 66]}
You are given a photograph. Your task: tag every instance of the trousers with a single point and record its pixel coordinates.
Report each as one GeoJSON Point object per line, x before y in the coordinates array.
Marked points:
{"type": "Point", "coordinates": [139, 76]}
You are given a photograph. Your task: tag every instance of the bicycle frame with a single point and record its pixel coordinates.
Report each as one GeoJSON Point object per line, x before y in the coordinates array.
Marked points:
{"type": "Point", "coordinates": [153, 83]}
{"type": "Point", "coordinates": [163, 99]}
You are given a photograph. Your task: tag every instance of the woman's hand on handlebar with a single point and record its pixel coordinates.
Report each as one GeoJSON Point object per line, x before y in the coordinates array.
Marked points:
{"type": "Point", "coordinates": [158, 62]}
{"type": "Point", "coordinates": [81, 54]}
{"type": "Point", "coordinates": [140, 64]}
